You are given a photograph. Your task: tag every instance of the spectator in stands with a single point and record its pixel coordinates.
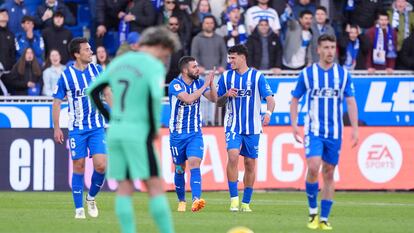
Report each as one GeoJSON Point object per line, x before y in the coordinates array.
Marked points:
{"type": "Point", "coordinates": [261, 10]}
{"type": "Point", "coordinates": [203, 9]}
{"type": "Point", "coordinates": [335, 12]}
{"type": "Point", "coordinates": [131, 44]}
{"type": "Point", "coordinates": [102, 57]}
{"type": "Point", "coordinates": [45, 12]}
{"type": "Point", "coordinates": [302, 5]}
{"type": "Point", "coordinates": [58, 37]}
{"type": "Point", "coordinates": [108, 15]}
{"type": "Point", "coordinates": [25, 77]}
{"type": "Point", "coordinates": [265, 48]}
{"type": "Point", "coordinates": [402, 19]}
{"type": "Point", "coordinates": [279, 6]}
{"type": "Point", "coordinates": [362, 12]}
{"type": "Point", "coordinates": [208, 48]}
{"type": "Point", "coordinates": [319, 27]}
{"type": "Point", "coordinates": [29, 38]}
{"type": "Point", "coordinates": [296, 49]}
{"type": "Point", "coordinates": [383, 40]}
{"type": "Point", "coordinates": [140, 15]}
{"type": "Point", "coordinates": [407, 53]}
{"type": "Point", "coordinates": [16, 10]}
{"type": "Point", "coordinates": [175, 25]}
{"type": "Point", "coordinates": [7, 45]}
{"type": "Point", "coordinates": [52, 72]}
{"type": "Point", "coordinates": [353, 49]}
{"type": "Point", "coordinates": [233, 31]}
{"type": "Point", "coordinates": [173, 69]}
{"type": "Point", "coordinates": [224, 16]}
{"type": "Point", "coordinates": [171, 8]}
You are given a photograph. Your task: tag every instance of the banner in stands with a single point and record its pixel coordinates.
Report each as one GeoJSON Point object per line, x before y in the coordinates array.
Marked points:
{"type": "Point", "coordinates": [382, 101]}
{"type": "Point", "coordinates": [31, 161]}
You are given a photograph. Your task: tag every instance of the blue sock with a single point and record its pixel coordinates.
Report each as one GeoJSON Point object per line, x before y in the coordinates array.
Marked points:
{"type": "Point", "coordinates": [179, 186]}
{"type": "Point", "coordinates": [96, 183]}
{"type": "Point", "coordinates": [195, 183]}
{"type": "Point", "coordinates": [233, 189]}
{"type": "Point", "coordinates": [312, 194]}
{"type": "Point", "coordinates": [247, 195]}
{"type": "Point", "coordinates": [77, 189]}
{"type": "Point", "coordinates": [325, 209]}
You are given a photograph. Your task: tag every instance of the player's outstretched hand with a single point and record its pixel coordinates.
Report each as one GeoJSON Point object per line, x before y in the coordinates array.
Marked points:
{"type": "Point", "coordinates": [354, 138]}
{"type": "Point", "coordinates": [58, 135]}
{"type": "Point", "coordinates": [297, 136]}
{"type": "Point", "coordinates": [232, 92]}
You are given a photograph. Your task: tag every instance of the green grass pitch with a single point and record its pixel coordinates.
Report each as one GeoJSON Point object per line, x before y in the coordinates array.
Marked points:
{"type": "Point", "coordinates": [272, 212]}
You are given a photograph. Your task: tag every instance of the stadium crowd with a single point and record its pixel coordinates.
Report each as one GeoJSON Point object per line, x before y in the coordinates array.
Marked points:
{"type": "Point", "coordinates": [279, 34]}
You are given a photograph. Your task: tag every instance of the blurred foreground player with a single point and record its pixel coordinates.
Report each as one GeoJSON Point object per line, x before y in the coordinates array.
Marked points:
{"type": "Point", "coordinates": [137, 83]}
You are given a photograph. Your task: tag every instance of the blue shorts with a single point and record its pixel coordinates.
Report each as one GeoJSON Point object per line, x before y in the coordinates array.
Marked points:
{"type": "Point", "coordinates": [81, 141]}
{"type": "Point", "coordinates": [328, 148]}
{"type": "Point", "coordinates": [183, 146]}
{"type": "Point", "coordinates": [247, 144]}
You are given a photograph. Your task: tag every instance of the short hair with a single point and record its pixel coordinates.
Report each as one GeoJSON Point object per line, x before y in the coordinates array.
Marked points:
{"type": "Point", "coordinates": [160, 35]}
{"type": "Point", "coordinates": [355, 26]}
{"type": "Point", "coordinates": [305, 12]}
{"type": "Point", "coordinates": [322, 8]}
{"type": "Point", "coordinates": [210, 17]}
{"type": "Point", "coordinates": [382, 13]}
{"type": "Point", "coordinates": [326, 37]}
{"type": "Point", "coordinates": [58, 14]}
{"type": "Point", "coordinates": [184, 61]}
{"type": "Point", "coordinates": [74, 45]}
{"type": "Point", "coordinates": [239, 49]}
{"type": "Point", "coordinates": [27, 18]}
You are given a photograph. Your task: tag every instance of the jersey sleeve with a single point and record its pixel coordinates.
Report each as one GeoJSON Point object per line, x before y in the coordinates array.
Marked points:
{"type": "Point", "coordinates": [175, 88]}
{"type": "Point", "coordinates": [59, 92]}
{"type": "Point", "coordinates": [264, 87]}
{"type": "Point", "coordinates": [300, 88]}
{"type": "Point", "coordinates": [349, 86]}
{"type": "Point", "coordinates": [221, 86]}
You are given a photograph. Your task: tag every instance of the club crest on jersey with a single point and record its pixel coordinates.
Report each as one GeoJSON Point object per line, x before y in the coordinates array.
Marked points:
{"type": "Point", "coordinates": [177, 87]}
{"type": "Point", "coordinates": [325, 92]}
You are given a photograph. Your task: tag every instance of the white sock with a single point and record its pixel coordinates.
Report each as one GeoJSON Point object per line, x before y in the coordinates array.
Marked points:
{"type": "Point", "coordinates": [324, 219]}
{"type": "Point", "coordinates": [313, 210]}
{"type": "Point", "coordinates": [89, 198]}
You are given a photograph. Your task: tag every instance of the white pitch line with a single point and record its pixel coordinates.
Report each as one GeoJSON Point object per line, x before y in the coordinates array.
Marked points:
{"type": "Point", "coordinates": [304, 202]}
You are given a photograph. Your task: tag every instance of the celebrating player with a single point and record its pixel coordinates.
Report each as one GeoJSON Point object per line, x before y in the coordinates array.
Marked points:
{"type": "Point", "coordinates": [86, 124]}
{"type": "Point", "coordinates": [186, 140]}
{"type": "Point", "coordinates": [136, 79]}
{"type": "Point", "coordinates": [241, 90]}
{"type": "Point", "coordinates": [325, 84]}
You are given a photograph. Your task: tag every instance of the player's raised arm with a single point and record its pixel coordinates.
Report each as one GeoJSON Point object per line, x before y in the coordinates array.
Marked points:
{"type": "Point", "coordinates": [211, 94]}
{"type": "Point", "coordinates": [57, 134]}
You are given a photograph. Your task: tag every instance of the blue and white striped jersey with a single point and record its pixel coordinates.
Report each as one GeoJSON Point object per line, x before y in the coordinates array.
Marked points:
{"type": "Point", "coordinates": [325, 91]}
{"type": "Point", "coordinates": [243, 111]}
{"type": "Point", "coordinates": [73, 84]}
{"type": "Point", "coordinates": [184, 118]}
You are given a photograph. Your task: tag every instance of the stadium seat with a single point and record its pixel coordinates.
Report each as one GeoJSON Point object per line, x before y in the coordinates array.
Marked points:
{"type": "Point", "coordinates": [32, 5]}
{"type": "Point", "coordinates": [77, 31]}
{"type": "Point", "coordinates": [77, 1]}
{"type": "Point", "coordinates": [83, 15]}
{"type": "Point", "coordinates": [111, 42]}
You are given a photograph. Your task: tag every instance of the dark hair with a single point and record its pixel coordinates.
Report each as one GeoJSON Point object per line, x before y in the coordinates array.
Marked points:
{"type": "Point", "coordinates": [382, 13]}
{"type": "Point", "coordinates": [239, 49]}
{"type": "Point", "coordinates": [322, 8]}
{"type": "Point", "coordinates": [48, 62]}
{"type": "Point", "coordinates": [27, 18]}
{"type": "Point", "coordinates": [74, 45]}
{"type": "Point", "coordinates": [305, 12]}
{"type": "Point", "coordinates": [58, 14]}
{"type": "Point", "coordinates": [210, 17]}
{"type": "Point", "coordinates": [326, 37]}
{"type": "Point", "coordinates": [107, 60]}
{"type": "Point", "coordinates": [183, 63]}
{"type": "Point", "coordinates": [21, 64]}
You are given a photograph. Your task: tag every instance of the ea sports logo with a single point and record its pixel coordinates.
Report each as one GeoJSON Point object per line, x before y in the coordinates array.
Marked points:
{"type": "Point", "coordinates": [380, 158]}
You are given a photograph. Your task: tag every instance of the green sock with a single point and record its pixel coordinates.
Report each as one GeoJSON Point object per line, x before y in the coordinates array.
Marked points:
{"type": "Point", "coordinates": [125, 213]}
{"type": "Point", "coordinates": [161, 213]}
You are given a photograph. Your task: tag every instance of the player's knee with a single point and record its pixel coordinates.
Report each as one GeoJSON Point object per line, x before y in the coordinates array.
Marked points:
{"type": "Point", "coordinates": [313, 171]}
{"type": "Point", "coordinates": [78, 166]}
{"type": "Point", "coordinates": [101, 167]}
